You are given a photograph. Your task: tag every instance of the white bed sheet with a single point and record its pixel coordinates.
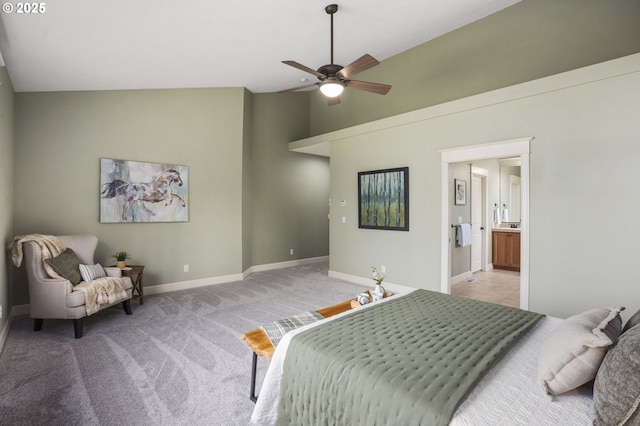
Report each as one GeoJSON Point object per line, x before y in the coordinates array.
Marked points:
{"type": "Point", "coordinates": [508, 395]}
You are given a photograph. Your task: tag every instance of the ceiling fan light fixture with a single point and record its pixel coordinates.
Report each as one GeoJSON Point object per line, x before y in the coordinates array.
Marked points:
{"type": "Point", "coordinates": [335, 78]}
{"type": "Point", "coordinates": [331, 88]}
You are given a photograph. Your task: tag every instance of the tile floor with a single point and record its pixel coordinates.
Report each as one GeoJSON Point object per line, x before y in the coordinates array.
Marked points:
{"type": "Point", "coordinates": [497, 286]}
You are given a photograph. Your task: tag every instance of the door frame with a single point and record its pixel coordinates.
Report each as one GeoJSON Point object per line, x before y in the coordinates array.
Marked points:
{"type": "Point", "coordinates": [508, 148]}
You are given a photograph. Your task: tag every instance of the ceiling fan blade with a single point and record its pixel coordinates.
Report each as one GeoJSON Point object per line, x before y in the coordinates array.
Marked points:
{"type": "Point", "coordinates": [333, 101]}
{"type": "Point", "coordinates": [365, 62]}
{"type": "Point", "coordinates": [293, 89]}
{"type": "Point", "coordinates": [378, 88]}
{"type": "Point", "coordinates": [305, 69]}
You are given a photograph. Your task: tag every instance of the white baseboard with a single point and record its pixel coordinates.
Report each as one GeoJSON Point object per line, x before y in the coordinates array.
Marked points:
{"type": "Point", "coordinates": [15, 311]}
{"type": "Point", "coordinates": [20, 310]}
{"type": "Point", "coordinates": [287, 264]}
{"type": "Point", "coordinates": [4, 332]}
{"type": "Point", "coordinates": [368, 282]}
{"type": "Point", "coordinates": [185, 285]}
{"type": "Point", "coordinates": [466, 275]}
{"type": "Point", "coordinates": [460, 278]}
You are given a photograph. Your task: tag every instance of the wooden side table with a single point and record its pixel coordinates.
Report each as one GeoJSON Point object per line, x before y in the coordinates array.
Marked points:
{"type": "Point", "coordinates": [136, 273]}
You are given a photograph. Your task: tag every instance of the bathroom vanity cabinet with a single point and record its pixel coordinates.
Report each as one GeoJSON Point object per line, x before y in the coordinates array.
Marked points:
{"type": "Point", "coordinates": [506, 250]}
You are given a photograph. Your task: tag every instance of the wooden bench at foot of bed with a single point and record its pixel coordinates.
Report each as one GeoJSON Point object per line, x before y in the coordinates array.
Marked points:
{"type": "Point", "coordinates": [260, 344]}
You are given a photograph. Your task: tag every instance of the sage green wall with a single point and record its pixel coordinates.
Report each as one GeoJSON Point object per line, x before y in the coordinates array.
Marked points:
{"type": "Point", "coordinates": [6, 189]}
{"type": "Point", "coordinates": [529, 40]}
{"type": "Point", "coordinates": [583, 248]}
{"type": "Point", "coordinates": [291, 190]}
{"type": "Point", "coordinates": [60, 138]}
{"type": "Point", "coordinates": [250, 199]}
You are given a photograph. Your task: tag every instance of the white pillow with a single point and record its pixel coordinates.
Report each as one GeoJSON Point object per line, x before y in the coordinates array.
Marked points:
{"type": "Point", "coordinates": [91, 272]}
{"type": "Point", "coordinates": [571, 356]}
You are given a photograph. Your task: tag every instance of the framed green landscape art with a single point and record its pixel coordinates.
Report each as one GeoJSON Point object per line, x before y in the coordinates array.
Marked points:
{"type": "Point", "coordinates": [383, 199]}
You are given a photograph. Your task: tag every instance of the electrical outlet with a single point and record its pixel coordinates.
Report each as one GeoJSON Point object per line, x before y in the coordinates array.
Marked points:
{"type": "Point", "coordinates": [383, 269]}
{"type": "Point", "coordinates": [186, 268]}
{"type": "Point", "coordinates": [291, 252]}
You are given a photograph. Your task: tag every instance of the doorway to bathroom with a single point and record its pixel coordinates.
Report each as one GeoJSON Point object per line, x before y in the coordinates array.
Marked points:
{"type": "Point", "coordinates": [486, 283]}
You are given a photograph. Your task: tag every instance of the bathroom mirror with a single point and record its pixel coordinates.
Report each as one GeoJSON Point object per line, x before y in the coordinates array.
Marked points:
{"type": "Point", "coordinates": [510, 189]}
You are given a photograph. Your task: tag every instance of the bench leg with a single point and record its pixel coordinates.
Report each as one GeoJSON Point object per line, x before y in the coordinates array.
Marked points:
{"type": "Point", "coordinates": [254, 364]}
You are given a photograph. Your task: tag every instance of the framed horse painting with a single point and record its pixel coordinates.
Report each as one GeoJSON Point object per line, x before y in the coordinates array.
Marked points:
{"type": "Point", "coordinates": [133, 191]}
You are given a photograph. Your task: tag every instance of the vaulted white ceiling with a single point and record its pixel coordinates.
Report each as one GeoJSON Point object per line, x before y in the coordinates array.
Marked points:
{"type": "Point", "coordinates": [139, 44]}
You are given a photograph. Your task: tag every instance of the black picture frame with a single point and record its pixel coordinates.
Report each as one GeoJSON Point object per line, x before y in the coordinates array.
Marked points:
{"type": "Point", "coordinates": [460, 192]}
{"type": "Point", "coordinates": [383, 199]}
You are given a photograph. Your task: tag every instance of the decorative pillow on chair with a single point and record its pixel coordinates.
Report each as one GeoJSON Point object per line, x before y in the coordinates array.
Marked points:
{"type": "Point", "coordinates": [571, 356]}
{"type": "Point", "coordinates": [616, 391]}
{"type": "Point", "coordinates": [91, 272]}
{"type": "Point", "coordinates": [66, 264]}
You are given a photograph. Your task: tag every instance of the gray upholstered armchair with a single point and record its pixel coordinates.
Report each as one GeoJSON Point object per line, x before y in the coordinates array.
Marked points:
{"type": "Point", "coordinates": [54, 298]}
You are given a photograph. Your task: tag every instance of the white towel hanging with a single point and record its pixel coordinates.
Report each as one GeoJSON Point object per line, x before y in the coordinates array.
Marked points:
{"type": "Point", "coordinates": [505, 214]}
{"type": "Point", "coordinates": [464, 236]}
{"type": "Point", "coordinates": [496, 215]}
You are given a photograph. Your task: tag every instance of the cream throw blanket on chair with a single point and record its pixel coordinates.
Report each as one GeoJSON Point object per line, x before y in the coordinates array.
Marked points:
{"type": "Point", "coordinates": [102, 292]}
{"type": "Point", "coordinates": [50, 246]}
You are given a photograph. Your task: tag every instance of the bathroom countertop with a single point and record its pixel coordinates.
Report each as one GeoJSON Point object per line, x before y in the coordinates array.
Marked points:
{"type": "Point", "coordinates": [506, 230]}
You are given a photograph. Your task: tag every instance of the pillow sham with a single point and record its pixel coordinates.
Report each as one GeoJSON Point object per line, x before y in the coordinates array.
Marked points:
{"type": "Point", "coordinates": [633, 321]}
{"type": "Point", "coordinates": [616, 390]}
{"type": "Point", "coordinates": [91, 272]}
{"type": "Point", "coordinates": [66, 264]}
{"type": "Point", "coordinates": [571, 356]}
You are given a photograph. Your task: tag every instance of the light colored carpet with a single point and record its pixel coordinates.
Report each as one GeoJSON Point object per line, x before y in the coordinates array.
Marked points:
{"type": "Point", "coordinates": [177, 360]}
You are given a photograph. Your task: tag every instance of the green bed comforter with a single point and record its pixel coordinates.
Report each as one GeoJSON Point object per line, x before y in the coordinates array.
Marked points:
{"type": "Point", "coordinates": [408, 361]}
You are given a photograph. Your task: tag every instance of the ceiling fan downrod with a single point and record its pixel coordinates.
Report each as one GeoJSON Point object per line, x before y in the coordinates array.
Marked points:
{"type": "Point", "coordinates": [331, 9]}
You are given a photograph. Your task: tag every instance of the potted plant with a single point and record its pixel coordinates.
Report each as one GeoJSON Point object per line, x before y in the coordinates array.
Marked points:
{"type": "Point", "coordinates": [378, 293]}
{"type": "Point", "coordinates": [121, 257]}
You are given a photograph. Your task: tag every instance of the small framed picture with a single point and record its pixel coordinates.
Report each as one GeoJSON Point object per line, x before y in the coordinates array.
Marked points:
{"type": "Point", "coordinates": [460, 188]}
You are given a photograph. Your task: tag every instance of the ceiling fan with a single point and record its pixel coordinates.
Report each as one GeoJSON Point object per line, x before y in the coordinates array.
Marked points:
{"type": "Point", "coordinates": [334, 78]}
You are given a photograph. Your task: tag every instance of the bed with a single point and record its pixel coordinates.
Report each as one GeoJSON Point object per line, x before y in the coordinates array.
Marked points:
{"type": "Point", "coordinates": [313, 381]}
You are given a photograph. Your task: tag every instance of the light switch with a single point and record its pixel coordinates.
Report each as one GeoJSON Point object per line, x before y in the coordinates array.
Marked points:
{"type": "Point", "coordinates": [344, 219]}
